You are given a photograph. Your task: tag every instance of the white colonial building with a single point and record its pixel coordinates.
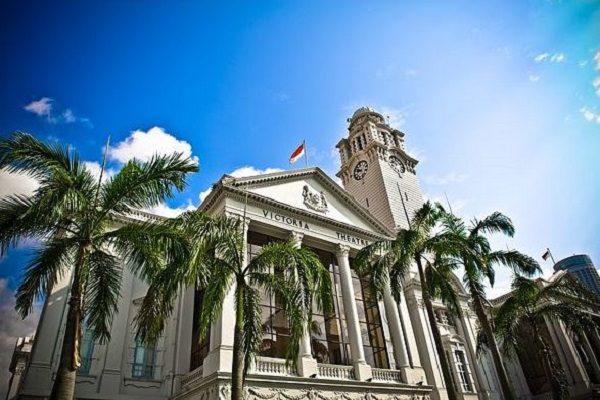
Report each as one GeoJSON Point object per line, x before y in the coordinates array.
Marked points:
{"type": "Point", "coordinates": [367, 349]}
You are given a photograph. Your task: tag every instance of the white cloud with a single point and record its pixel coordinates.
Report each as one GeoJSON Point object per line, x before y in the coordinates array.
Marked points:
{"type": "Point", "coordinates": [590, 115]}
{"type": "Point", "coordinates": [240, 173]}
{"type": "Point", "coordinates": [452, 177]}
{"type": "Point", "coordinates": [68, 116]}
{"type": "Point", "coordinates": [16, 184]}
{"type": "Point", "coordinates": [94, 167]}
{"type": "Point", "coordinates": [596, 84]}
{"type": "Point", "coordinates": [12, 326]}
{"type": "Point", "coordinates": [553, 58]}
{"type": "Point", "coordinates": [165, 211]}
{"type": "Point", "coordinates": [143, 145]}
{"type": "Point", "coordinates": [45, 106]}
{"type": "Point", "coordinates": [41, 107]}
{"type": "Point", "coordinates": [396, 116]}
{"type": "Point", "coordinates": [597, 59]}
{"type": "Point", "coordinates": [534, 78]}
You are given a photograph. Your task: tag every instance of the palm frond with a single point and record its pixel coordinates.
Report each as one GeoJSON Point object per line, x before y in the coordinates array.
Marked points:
{"type": "Point", "coordinates": [102, 293]}
{"type": "Point", "coordinates": [46, 266]}
{"type": "Point", "coordinates": [23, 153]}
{"type": "Point", "coordinates": [494, 223]}
{"type": "Point", "coordinates": [146, 247]}
{"type": "Point", "coordinates": [219, 284]}
{"type": "Point", "coordinates": [156, 308]}
{"type": "Point", "coordinates": [253, 330]}
{"type": "Point", "coordinates": [521, 264]}
{"type": "Point", "coordinates": [144, 185]}
{"type": "Point", "coordinates": [439, 282]}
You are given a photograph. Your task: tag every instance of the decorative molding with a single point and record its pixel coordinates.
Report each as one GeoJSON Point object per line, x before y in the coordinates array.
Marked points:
{"type": "Point", "coordinates": [314, 201]}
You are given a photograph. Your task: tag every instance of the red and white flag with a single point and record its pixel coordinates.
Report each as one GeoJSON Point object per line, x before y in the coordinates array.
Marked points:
{"type": "Point", "coordinates": [299, 152]}
{"type": "Point", "coordinates": [546, 254]}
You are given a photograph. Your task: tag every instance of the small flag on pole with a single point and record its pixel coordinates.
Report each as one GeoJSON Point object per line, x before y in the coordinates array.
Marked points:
{"type": "Point", "coordinates": [299, 152]}
{"type": "Point", "coordinates": [546, 255]}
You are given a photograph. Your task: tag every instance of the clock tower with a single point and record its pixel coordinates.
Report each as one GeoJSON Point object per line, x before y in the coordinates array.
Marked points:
{"type": "Point", "coordinates": [377, 171]}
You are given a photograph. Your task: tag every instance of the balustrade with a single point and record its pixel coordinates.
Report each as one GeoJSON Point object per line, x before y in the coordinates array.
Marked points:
{"type": "Point", "coordinates": [274, 366]}
{"type": "Point", "coordinates": [330, 371]}
{"type": "Point", "coordinates": [386, 375]}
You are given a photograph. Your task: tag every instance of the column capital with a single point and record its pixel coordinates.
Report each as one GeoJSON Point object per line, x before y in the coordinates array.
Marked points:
{"type": "Point", "coordinates": [342, 250]}
{"type": "Point", "coordinates": [296, 237]}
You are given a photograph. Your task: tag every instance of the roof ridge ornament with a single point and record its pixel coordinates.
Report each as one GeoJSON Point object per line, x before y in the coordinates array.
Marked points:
{"type": "Point", "coordinates": [314, 201]}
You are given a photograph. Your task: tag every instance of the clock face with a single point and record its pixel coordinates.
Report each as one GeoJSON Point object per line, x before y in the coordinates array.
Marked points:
{"type": "Point", "coordinates": [397, 164]}
{"type": "Point", "coordinates": [360, 170]}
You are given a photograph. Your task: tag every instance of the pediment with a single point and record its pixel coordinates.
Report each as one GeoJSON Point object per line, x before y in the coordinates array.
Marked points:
{"type": "Point", "coordinates": [309, 190]}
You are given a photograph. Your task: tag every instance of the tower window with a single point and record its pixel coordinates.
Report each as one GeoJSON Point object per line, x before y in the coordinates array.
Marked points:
{"type": "Point", "coordinates": [367, 200]}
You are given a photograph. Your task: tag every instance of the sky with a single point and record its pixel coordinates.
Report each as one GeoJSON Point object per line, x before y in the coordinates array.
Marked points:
{"type": "Point", "coordinates": [499, 100]}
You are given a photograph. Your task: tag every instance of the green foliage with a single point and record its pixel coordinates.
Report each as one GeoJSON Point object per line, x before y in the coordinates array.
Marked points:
{"type": "Point", "coordinates": [74, 215]}
{"type": "Point", "coordinates": [563, 299]}
{"type": "Point", "coordinates": [217, 263]}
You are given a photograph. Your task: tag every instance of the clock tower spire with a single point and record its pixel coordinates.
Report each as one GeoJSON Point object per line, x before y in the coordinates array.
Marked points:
{"type": "Point", "coordinates": [377, 171]}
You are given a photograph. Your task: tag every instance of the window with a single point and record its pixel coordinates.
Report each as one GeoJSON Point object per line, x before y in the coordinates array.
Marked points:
{"type": "Point", "coordinates": [143, 361]}
{"type": "Point", "coordinates": [329, 333]}
{"type": "Point", "coordinates": [370, 323]}
{"type": "Point", "coordinates": [199, 348]}
{"type": "Point", "coordinates": [87, 350]}
{"type": "Point", "coordinates": [276, 332]}
{"type": "Point", "coordinates": [462, 370]}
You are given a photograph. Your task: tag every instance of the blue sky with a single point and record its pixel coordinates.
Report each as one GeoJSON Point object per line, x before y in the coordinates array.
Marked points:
{"type": "Point", "coordinates": [500, 100]}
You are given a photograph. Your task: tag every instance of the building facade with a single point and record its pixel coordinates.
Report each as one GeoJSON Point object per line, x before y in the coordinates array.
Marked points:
{"type": "Point", "coordinates": [581, 267]}
{"type": "Point", "coordinates": [367, 349]}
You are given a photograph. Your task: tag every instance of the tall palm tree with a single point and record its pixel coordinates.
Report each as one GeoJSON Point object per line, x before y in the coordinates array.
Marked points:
{"type": "Point", "coordinates": [295, 276]}
{"type": "Point", "coordinates": [428, 246]}
{"type": "Point", "coordinates": [531, 303]}
{"type": "Point", "coordinates": [478, 261]}
{"type": "Point", "coordinates": [85, 229]}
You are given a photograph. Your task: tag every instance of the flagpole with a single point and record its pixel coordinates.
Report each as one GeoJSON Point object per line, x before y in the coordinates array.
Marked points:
{"type": "Point", "coordinates": [305, 154]}
{"type": "Point", "coordinates": [551, 256]}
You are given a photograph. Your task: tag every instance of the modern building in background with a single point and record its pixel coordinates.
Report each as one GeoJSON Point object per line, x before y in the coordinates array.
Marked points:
{"type": "Point", "coordinates": [582, 267]}
{"type": "Point", "coordinates": [368, 349]}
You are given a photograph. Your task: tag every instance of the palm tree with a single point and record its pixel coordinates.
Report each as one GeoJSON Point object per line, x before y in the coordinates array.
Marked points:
{"type": "Point", "coordinates": [530, 305]}
{"type": "Point", "coordinates": [294, 276]}
{"type": "Point", "coordinates": [428, 246]}
{"type": "Point", "coordinates": [85, 230]}
{"type": "Point", "coordinates": [478, 261]}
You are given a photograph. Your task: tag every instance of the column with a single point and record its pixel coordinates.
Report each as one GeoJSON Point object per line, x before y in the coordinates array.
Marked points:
{"type": "Point", "coordinates": [362, 370]}
{"type": "Point", "coordinates": [307, 365]}
{"type": "Point", "coordinates": [411, 374]}
{"type": "Point", "coordinates": [220, 357]}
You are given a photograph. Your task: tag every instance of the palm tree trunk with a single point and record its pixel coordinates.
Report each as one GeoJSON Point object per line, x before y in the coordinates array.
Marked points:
{"type": "Point", "coordinates": [64, 384]}
{"type": "Point", "coordinates": [237, 373]}
{"type": "Point", "coordinates": [487, 330]}
{"type": "Point", "coordinates": [437, 337]}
